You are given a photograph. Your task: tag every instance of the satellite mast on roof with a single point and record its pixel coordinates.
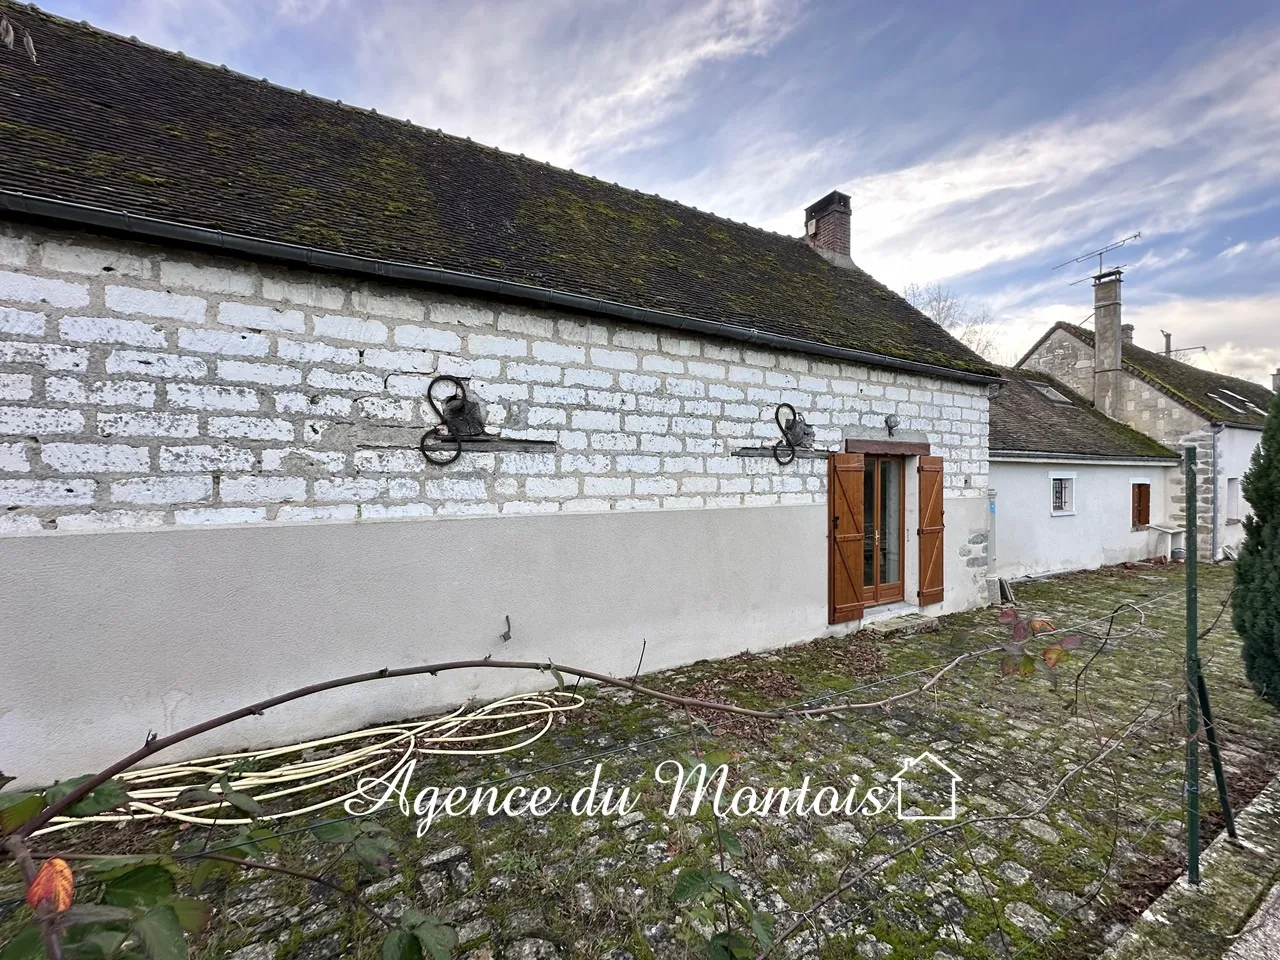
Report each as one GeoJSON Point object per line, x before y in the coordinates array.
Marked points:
{"type": "Point", "coordinates": [1099, 254]}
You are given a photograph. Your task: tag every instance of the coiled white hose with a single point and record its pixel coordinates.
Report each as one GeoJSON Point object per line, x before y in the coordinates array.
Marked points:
{"type": "Point", "coordinates": [154, 791]}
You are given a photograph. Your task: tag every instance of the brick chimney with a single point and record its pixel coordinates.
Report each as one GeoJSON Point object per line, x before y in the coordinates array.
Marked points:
{"type": "Point", "coordinates": [1126, 332]}
{"type": "Point", "coordinates": [1108, 338]}
{"type": "Point", "coordinates": [826, 223]}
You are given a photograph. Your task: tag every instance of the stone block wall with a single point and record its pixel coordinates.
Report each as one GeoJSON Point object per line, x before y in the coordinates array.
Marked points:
{"type": "Point", "coordinates": [1149, 411]}
{"type": "Point", "coordinates": [147, 386]}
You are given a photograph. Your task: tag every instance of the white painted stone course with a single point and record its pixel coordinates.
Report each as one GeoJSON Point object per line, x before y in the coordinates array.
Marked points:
{"type": "Point", "coordinates": [21, 323]}
{"type": "Point", "coordinates": [258, 388]}
{"type": "Point", "coordinates": [156, 303]}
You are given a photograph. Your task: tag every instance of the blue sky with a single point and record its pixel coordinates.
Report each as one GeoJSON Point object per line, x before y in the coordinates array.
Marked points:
{"type": "Point", "coordinates": [982, 143]}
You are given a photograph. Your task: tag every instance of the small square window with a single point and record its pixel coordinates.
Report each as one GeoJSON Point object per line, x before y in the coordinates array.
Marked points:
{"type": "Point", "coordinates": [1063, 495]}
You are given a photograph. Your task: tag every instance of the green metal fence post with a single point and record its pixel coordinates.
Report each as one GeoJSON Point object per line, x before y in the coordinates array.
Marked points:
{"type": "Point", "coordinates": [1193, 675]}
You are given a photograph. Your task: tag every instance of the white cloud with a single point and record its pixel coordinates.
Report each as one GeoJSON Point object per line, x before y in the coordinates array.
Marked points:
{"type": "Point", "coordinates": [545, 79]}
{"type": "Point", "coordinates": [1185, 150]}
{"type": "Point", "coordinates": [213, 30]}
{"type": "Point", "coordinates": [1239, 332]}
{"type": "Point", "coordinates": [1235, 251]}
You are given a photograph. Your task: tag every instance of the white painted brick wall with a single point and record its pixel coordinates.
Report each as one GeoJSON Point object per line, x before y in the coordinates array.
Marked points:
{"type": "Point", "coordinates": [180, 389]}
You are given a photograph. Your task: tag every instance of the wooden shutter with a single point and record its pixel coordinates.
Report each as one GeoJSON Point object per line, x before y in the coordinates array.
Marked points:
{"type": "Point", "coordinates": [1141, 504]}
{"type": "Point", "coordinates": [930, 532]}
{"type": "Point", "coordinates": [845, 536]}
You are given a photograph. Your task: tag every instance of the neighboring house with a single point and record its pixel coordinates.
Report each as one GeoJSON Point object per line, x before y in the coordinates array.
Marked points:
{"type": "Point", "coordinates": [1170, 401]}
{"type": "Point", "coordinates": [1071, 489]}
{"type": "Point", "coordinates": [222, 304]}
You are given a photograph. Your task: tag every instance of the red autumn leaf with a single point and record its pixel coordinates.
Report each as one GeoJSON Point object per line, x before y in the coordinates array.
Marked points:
{"type": "Point", "coordinates": [1041, 626]}
{"type": "Point", "coordinates": [1008, 615]}
{"type": "Point", "coordinates": [1069, 642]}
{"type": "Point", "coordinates": [1053, 654]}
{"type": "Point", "coordinates": [53, 883]}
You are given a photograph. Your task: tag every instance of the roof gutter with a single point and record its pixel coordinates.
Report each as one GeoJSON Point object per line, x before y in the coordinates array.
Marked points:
{"type": "Point", "coordinates": [151, 228]}
{"type": "Point", "coordinates": [1038, 456]}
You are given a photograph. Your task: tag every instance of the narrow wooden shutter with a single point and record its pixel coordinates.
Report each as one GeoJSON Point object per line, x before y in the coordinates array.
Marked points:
{"type": "Point", "coordinates": [930, 532]}
{"type": "Point", "coordinates": [845, 537]}
{"type": "Point", "coordinates": [1141, 504]}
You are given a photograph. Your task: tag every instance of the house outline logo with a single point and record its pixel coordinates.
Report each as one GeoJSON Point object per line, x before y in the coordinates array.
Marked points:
{"type": "Point", "coordinates": [909, 767]}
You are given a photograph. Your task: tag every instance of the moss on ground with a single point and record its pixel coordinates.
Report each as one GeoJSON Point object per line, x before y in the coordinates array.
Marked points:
{"type": "Point", "coordinates": [1059, 886]}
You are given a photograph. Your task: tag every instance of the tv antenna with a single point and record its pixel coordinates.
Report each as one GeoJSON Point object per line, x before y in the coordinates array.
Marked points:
{"type": "Point", "coordinates": [1099, 254]}
{"type": "Point", "coordinates": [1171, 351]}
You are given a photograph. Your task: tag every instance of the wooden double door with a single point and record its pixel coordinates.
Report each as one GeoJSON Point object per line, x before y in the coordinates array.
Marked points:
{"type": "Point", "coordinates": [866, 497]}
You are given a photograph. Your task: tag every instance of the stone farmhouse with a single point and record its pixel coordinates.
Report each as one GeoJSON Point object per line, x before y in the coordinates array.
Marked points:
{"type": "Point", "coordinates": [224, 310]}
{"type": "Point", "coordinates": [1172, 402]}
{"type": "Point", "coordinates": [1071, 488]}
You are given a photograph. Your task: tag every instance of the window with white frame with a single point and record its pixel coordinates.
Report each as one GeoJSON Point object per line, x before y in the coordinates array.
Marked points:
{"type": "Point", "coordinates": [1064, 494]}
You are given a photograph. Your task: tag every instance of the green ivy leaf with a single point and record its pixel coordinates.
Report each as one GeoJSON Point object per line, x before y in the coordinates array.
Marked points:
{"type": "Point", "coordinates": [192, 914]}
{"type": "Point", "coordinates": [376, 853]}
{"type": "Point", "coordinates": [206, 871]}
{"type": "Point", "coordinates": [143, 886]}
{"type": "Point", "coordinates": [436, 937]}
{"type": "Point", "coordinates": [401, 945]}
{"type": "Point", "coordinates": [108, 796]}
{"type": "Point", "coordinates": [161, 933]}
{"type": "Point", "coordinates": [342, 831]}
{"type": "Point", "coordinates": [717, 757]}
{"type": "Point", "coordinates": [762, 927]}
{"type": "Point", "coordinates": [266, 838]}
{"type": "Point", "coordinates": [16, 808]}
{"type": "Point", "coordinates": [691, 884]}
{"type": "Point", "coordinates": [198, 795]}
{"type": "Point", "coordinates": [732, 845]}
{"type": "Point", "coordinates": [560, 684]}
{"type": "Point", "coordinates": [97, 944]}
{"type": "Point", "coordinates": [28, 944]}
{"type": "Point", "coordinates": [109, 867]}
{"type": "Point", "coordinates": [725, 882]}
{"type": "Point", "coordinates": [241, 801]}
{"type": "Point", "coordinates": [79, 914]}
{"type": "Point", "coordinates": [729, 946]}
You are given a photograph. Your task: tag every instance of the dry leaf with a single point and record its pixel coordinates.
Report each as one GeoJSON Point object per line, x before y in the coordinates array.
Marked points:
{"type": "Point", "coordinates": [54, 883]}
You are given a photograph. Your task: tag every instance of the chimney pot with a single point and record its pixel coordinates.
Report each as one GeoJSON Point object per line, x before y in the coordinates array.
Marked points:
{"type": "Point", "coordinates": [826, 223]}
{"type": "Point", "coordinates": [1275, 382]}
{"type": "Point", "coordinates": [1126, 333]}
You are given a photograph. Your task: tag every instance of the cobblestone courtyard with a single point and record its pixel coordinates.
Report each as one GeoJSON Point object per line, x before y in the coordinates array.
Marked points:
{"type": "Point", "coordinates": [1039, 887]}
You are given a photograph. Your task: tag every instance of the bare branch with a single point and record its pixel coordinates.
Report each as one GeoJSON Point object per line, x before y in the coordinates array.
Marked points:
{"type": "Point", "coordinates": [48, 920]}
{"type": "Point", "coordinates": [155, 745]}
{"type": "Point", "coordinates": [303, 875]}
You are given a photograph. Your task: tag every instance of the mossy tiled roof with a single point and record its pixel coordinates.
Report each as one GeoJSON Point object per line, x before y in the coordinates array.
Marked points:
{"type": "Point", "coordinates": [1025, 421]}
{"type": "Point", "coordinates": [1214, 396]}
{"type": "Point", "coordinates": [114, 123]}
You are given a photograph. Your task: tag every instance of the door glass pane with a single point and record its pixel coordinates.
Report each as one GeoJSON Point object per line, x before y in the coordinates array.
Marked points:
{"type": "Point", "coordinates": [890, 528]}
{"type": "Point", "coordinates": [869, 524]}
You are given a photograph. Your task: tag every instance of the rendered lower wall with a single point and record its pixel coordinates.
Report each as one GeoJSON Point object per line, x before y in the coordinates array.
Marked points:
{"type": "Point", "coordinates": [1028, 540]}
{"type": "Point", "coordinates": [107, 636]}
